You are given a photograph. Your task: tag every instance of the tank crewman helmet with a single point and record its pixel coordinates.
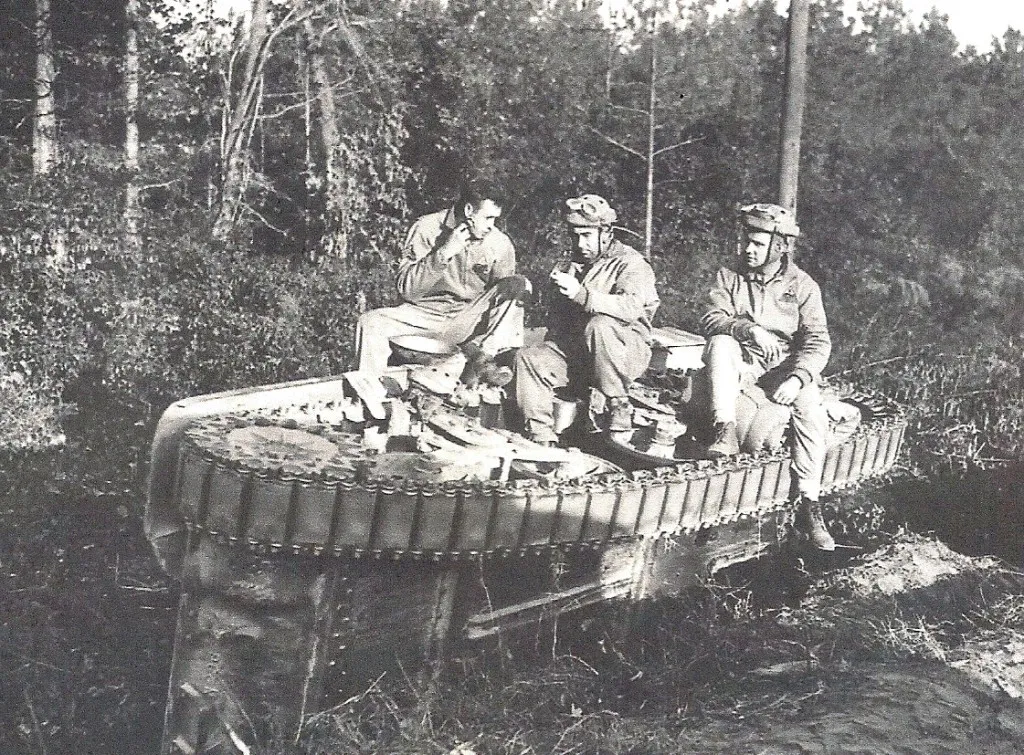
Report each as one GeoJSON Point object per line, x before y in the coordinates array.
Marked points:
{"type": "Point", "coordinates": [769, 218]}
{"type": "Point", "coordinates": [589, 211]}
{"type": "Point", "coordinates": [772, 218]}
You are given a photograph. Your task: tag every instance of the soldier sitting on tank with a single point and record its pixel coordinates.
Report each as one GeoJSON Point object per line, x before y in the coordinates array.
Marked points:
{"type": "Point", "coordinates": [457, 282]}
{"type": "Point", "coordinates": [767, 326]}
{"type": "Point", "coordinates": [599, 336]}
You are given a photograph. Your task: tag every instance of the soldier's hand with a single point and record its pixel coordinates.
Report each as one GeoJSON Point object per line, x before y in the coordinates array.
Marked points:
{"type": "Point", "coordinates": [769, 344]}
{"type": "Point", "coordinates": [455, 244]}
{"type": "Point", "coordinates": [786, 393]}
{"type": "Point", "coordinates": [566, 283]}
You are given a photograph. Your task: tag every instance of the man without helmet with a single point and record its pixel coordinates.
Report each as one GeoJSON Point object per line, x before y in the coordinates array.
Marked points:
{"type": "Point", "coordinates": [457, 282]}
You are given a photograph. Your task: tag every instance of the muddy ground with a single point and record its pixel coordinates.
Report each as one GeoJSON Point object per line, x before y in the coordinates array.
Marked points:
{"type": "Point", "coordinates": [954, 682]}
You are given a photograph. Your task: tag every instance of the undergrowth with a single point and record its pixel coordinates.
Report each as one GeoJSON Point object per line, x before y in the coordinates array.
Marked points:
{"type": "Point", "coordinates": [721, 653]}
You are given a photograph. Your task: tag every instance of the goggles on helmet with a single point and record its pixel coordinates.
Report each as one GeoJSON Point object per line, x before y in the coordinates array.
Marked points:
{"type": "Point", "coordinates": [771, 218]}
{"type": "Point", "coordinates": [589, 211]}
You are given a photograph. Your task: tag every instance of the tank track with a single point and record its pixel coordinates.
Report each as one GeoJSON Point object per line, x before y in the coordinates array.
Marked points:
{"type": "Point", "coordinates": [333, 506]}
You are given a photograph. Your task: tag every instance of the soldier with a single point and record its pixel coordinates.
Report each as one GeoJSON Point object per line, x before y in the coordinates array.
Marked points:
{"type": "Point", "coordinates": [599, 335]}
{"type": "Point", "coordinates": [766, 325]}
{"type": "Point", "coordinates": [457, 282]}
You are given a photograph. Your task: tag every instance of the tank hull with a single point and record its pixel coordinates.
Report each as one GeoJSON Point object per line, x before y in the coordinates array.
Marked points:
{"type": "Point", "coordinates": [302, 585]}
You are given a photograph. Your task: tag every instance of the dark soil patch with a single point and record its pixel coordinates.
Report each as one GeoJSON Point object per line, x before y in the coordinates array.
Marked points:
{"type": "Point", "coordinates": [981, 512]}
{"type": "Point", "coordinates": [86, 623]}
{"type": "Point", "coordinates": [912, 709]}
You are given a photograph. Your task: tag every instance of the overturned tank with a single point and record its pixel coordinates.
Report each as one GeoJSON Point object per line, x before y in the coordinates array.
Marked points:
{"type": "Point", "coordinates": [327, 532]}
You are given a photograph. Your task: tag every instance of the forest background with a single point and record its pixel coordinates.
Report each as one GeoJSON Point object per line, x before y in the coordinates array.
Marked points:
{"type": "Point", "coordinates": [189, 205]}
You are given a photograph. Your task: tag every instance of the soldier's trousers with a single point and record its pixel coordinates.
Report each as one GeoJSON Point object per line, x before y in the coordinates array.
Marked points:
{"type": "Point", "coordinates": [607, 355]}
{"type": "Point", "coordinates": [494, 320]}
{"type": "Point", "coordinates": [726, 370]}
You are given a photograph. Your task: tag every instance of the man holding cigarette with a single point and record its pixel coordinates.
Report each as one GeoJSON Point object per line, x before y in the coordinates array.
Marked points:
{"type": "Point", "coordinates": [599, 336]}
{"type": "Point", "coordinates": [457, 282]}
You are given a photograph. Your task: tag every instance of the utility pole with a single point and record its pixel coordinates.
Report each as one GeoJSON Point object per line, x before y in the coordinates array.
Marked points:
{"type": "Point", "coordinates": [793, 104]}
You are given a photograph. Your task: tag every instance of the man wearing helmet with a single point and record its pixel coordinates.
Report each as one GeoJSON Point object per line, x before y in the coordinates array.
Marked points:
{"type": "Point", "coordinates": [766, 325]}
{"type": "Point", "coordinates": [456, 279]}
{"type": "Point", "coordinates": [600, 324]}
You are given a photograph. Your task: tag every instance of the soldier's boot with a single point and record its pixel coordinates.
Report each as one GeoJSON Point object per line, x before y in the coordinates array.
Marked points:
{"type": "Point", "coordinates": [810, 522]}
{"type": "Point", "coordinates": [620, 414]}
{"type": "Point", "coordinates": [542, 436]}
{"type": "Point", "coordinates": [725, 441]}
{"type": "Point", "coordinates": [482, 369]}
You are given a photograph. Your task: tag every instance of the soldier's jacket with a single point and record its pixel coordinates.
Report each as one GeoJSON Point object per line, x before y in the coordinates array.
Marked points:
{"type": "Point", "coordinates": [619, 284]}
{"type": "Point", "coordinates": [788, 304]}
{"type": "Point", "coordinates": [424, 279]}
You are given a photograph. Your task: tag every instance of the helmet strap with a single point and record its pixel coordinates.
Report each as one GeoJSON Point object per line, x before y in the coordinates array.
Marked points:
{"type": "Point", "coordinates": [777, 248]}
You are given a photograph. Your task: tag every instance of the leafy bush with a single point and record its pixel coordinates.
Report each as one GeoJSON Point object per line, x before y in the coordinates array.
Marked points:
{"type": "Point", "coordinates": [85, 319]}
{"type": "Point", "coordinates": [44, 331]}
{"type": "Point", "coordinates": [188, 317]}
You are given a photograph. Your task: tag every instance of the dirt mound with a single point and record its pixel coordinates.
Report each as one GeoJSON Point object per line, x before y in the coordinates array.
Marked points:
{"type": "Point", "coordinates": [911, 563]}
{"type": "Point", "coordinates": [911, 710]}
{"type": "Point", "coordinates": [924, 654]}
{"type": "Point", "coordinates": [914, 579]}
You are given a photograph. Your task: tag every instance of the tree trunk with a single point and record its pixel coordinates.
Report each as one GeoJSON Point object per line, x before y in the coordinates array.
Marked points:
{"type": "Point", "coordinates": [310, 248]}
{"type": "Point", "coordinates": [132, 209]}
{"type": "Point", "coordinates": [651, 129]}
{"type": "Point", "coordinates": [335, 239]}
{"type": "Point", "coordinates": [238, 130]}
{"type": "Point", "coordinates": [44, 133]}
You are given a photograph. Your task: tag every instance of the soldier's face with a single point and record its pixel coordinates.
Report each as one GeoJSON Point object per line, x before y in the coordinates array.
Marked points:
{"type": "Point", "coordinates": [756, 248]}
{"type": "Point", "coordinates": [587, 242]}
{"type": "Point", "coordinates": [480, 220]}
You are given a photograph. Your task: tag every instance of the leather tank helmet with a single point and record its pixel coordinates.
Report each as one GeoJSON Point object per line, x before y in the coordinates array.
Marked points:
{"type": "Point", "coordinates": [586, 213]}
{"type": "Point", "coordinates": [771, 218]}
{"type": "Point", "coordinates": [589, 211]}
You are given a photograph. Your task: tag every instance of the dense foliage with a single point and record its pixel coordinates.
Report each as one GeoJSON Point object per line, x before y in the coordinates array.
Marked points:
{"type": "Point", "coordinates": [908, 195]}
{"type": "Point", "coordinates": [369, 113]}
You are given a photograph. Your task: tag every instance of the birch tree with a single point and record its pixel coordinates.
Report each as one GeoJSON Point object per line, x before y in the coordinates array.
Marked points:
{"type": "Point", "coordinates": [44, 132]}
{"type": "Point", "coordinates": [335, 240]}
{"type": "Point", "coordinates": [131, 130]}
{"type": "Point", "coordinates": [243, 86]}
{"type": "Point", "coordinates": [242, 103]}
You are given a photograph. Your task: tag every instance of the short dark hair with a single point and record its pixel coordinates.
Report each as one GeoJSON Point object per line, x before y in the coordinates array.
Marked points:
{"type": "Point", "coordinates": [475, 190]}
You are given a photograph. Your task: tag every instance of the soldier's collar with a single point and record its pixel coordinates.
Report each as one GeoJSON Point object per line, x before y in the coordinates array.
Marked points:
{"type": "Point", "coordinates": [759, 277]}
